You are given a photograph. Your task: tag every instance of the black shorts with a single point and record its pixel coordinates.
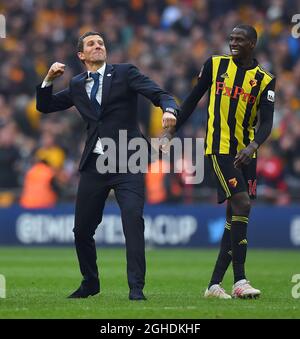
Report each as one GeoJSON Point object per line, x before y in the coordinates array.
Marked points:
{"type": "Point", "coordinates": [231, 180]}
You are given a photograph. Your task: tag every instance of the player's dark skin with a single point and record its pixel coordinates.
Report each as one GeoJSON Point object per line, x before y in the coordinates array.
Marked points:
{"type": "Point", "coordinates": [241, 47]}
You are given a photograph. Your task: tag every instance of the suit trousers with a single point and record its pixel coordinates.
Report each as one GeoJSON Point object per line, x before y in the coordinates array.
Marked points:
{"type": "Point", "coordinates": [92, 193]}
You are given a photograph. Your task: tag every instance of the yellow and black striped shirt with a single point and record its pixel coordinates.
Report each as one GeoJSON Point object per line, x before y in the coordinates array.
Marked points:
{"type": "Point", "coordinates": [236, 95]}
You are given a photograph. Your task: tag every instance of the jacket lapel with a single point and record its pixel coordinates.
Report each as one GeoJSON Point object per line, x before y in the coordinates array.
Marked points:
{"type": "Point", "coordinates": [106, 85]}
{"type": "Point", "coordinates": [85, 97]}
{"type": "Point", "coordinates": [107, 80]}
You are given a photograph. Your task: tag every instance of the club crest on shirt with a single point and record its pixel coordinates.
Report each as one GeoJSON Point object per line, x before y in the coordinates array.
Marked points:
{"type": "Point", "coordinates": [225, 76]}
{"type": "Point", "coordinates": [233, 182]}
{"type": "Point", "coordinates": [253, 82]}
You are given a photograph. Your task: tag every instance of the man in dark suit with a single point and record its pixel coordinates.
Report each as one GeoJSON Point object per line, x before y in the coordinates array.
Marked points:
{"type": "Point", "coordinates": [106, 97]}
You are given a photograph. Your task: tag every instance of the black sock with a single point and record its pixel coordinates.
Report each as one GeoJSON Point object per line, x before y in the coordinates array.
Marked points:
{"type": "Point", "coordinates": [224, 257]}
{"type": "Point", "coordinates": [239, 246]}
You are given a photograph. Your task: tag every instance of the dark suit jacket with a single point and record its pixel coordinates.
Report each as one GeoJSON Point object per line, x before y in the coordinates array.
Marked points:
{"type": "Point", "coordinates": [121, 85]}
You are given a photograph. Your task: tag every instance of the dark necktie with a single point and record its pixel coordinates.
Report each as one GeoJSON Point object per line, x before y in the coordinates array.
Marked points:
{"type": "Point", "coordinates": [94, 91]}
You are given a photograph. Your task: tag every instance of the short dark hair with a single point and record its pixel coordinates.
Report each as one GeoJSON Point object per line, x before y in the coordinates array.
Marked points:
{"type": "Point", "coordinates": [250, 31]}
{"type": "Point", "coordinates": [80, 40]}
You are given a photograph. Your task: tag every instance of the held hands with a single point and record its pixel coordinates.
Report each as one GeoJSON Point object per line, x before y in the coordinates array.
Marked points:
{"type": "Point", "coordinates": [168, 123]}
{"type": "Point", "coordinates": [245, 155]}
{"type": "Point", "coordinates": [168, 120]}
{"type": "Point", "coordinates": [162, 143]}
{"type": "Point", "coordinates": [55, 71]}
{"type": "Point", "coordinates": [166, 138]}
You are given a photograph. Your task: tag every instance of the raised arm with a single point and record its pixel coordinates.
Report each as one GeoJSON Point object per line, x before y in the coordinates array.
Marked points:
{"type": "Point", "coordinates": [46, 102]}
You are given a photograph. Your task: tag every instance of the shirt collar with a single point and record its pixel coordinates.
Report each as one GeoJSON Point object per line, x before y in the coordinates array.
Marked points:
{"type": "Point", "coordinates": [100, 70]}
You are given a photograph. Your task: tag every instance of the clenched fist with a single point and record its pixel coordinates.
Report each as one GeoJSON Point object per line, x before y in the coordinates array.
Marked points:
{"type": "Point", "coordinates": [55, 71]}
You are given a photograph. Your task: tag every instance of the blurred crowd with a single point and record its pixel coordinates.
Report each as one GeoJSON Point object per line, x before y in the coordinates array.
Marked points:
{"type": "Point", "coordinates": [168, 40]}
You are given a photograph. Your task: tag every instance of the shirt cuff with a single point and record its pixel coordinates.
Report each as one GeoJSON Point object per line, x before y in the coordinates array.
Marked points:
{"type": "Point", "coordinates": [46, 84]}
{"type": "Point", "coordinates": [171, 110]}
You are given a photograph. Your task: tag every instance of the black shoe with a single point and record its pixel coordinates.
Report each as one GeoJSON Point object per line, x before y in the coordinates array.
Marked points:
{"type": "Point", "coordinates": [136, 295]}
{"type": "Point", "coordinates": [84, 292]}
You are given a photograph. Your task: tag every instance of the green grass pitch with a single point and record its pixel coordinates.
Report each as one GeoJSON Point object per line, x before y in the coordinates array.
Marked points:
{"type": "Point", "coordinates": [39, 279]}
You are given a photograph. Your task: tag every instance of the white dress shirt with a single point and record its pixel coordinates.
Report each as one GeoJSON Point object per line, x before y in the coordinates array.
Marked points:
{"type": "Point", "coordinates": [89, 82]}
